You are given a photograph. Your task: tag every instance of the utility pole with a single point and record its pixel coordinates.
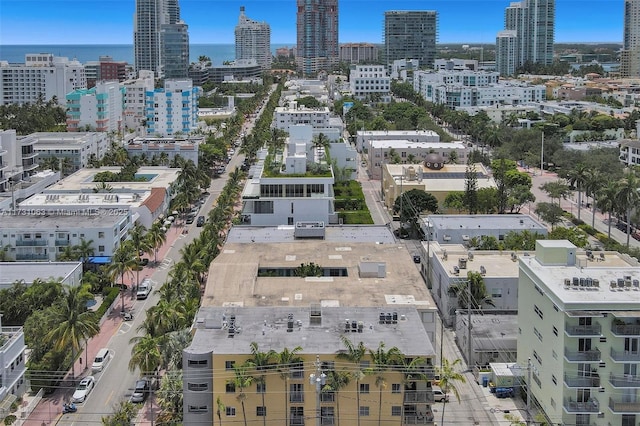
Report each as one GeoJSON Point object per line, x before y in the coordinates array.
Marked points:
{"type": "Point", "coordinates": [318, 379]}
{"type": "Point", "coordinates": [528, 390]}
{"type": "Point", "coordinates": [470, 348]}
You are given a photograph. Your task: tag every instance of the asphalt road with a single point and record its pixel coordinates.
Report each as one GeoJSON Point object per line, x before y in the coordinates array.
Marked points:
{"type": "Point", "coordinates": [115, 383]}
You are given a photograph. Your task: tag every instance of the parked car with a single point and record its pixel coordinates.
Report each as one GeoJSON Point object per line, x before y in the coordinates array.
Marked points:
{"type": "Point", "coordinates": [200, 221]}
{"type": "Point", "coordinates": [140, 391]}
{"type": "Point", "coordinates": [190, 219]}
{"type": "Point", "coordinates": [144, 289]}
{"type": "Point", "coordinates": [84, 387]}
{"type": "Point", "coordinates": [439, 395]}
{"type": "Point", "coordinates": [505, 392]}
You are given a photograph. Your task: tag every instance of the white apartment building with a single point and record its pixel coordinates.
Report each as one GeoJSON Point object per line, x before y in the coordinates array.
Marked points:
{"type": "Point", "coordinates": [39, 235]}
{"type": "Point", "coordinates": [172, 109]}
{"type": "Point", "coordinates": [78, 147]}
{"type": "Point", "coordinates": [355, 53]}
{"type": "Point", "coordinates": [409, 152]}
{"type": "Point", "coordinates": [507, 52]}
{"type": "Point", "coordinates": [401, 67]}
{"type": "Point", "coordinates": [468, 88]}
{"type": "Point", "coordinates": [12, 366]}
{"type": "Point", "coordinates": [370, 82]}
{"type": "Point", "coordinates": [289, 197]}
{"type": "Point", "coordinates": [455, 64]}
{"type": "Point", "coordinates": [579, 334]}
{"type": "Point", "coordinates": [99, 108]}
{"type": "Point", "coordinates": [293, 113]}
{"type": "Point", "coordinates": [167, 148]}
{"type": "Point", "coordinates": [253, 40]}
{"type": "Point", "coordinates": [42, 74]}
{"type": "Point", "coordinates": [19, 177]}
{"type": "Point", "coordinates": [145, 201]}
{"type": "Point", "coordinates": [135, 98]}
{"type": "Point", "coordinates": [364, 137]}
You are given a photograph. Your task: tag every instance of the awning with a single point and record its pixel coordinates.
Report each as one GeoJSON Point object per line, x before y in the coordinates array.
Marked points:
{"type": "Point", "coordinates": [592, 314]}
{"type": "Point", "coordinates": [100, 260]}
{"type": "Point", "coordinates": [5, 405]}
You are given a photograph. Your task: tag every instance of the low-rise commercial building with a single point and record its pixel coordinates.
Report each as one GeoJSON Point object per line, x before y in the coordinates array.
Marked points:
{"type": "Point", "coordinates": [365, 137]}
{"type": "Point", "coordinates": [433, 176]}
{"type": "Point", "coordinates": [494, 338]}
{"type": "Point", "coordinates": [293, 114]}
{"type": "Point", "coordinates": [167, 148]}
{"type": "Point", "coordinates": [370, 82]}
{"type": "Point", "coordinates": [68, 273]}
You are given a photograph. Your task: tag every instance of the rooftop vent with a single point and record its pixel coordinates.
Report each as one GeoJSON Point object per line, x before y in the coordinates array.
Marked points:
{"type": "Point", "coordinates": [462, 263]}
{"type": "Point", "coordinates": [289, 323]}
{"type": "Point", "coordinates": [514, 256]}
{"type": "Point", "coordinates": [315, 315]}
{"type": "Point", "coordinates": [470, 256]}
{"type": "Point", "coordinates": [456, 270]}
{"type": "Point", "coordinates": [483, 270]}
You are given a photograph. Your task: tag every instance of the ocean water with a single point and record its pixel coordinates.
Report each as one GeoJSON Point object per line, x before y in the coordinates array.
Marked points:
{"type": "Point", "coordinates": [119, 52]}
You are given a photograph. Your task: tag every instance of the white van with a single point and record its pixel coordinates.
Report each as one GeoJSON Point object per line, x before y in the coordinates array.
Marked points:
{"type": "Point", "coordinates": [101, 359]}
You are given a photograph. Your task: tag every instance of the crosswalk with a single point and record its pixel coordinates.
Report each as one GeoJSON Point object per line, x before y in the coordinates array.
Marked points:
{"type": "Point", "coordinates": [166, 264]}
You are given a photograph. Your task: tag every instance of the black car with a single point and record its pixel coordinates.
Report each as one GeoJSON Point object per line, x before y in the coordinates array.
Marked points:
{"type": "Point", "coordinates": [200, 221]}
{"type": "Point", "coordinates": [140, 391]}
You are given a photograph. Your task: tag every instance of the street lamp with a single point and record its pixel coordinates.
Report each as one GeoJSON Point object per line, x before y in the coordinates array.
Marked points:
{"type": "Point", "coordinates": [318, 379]}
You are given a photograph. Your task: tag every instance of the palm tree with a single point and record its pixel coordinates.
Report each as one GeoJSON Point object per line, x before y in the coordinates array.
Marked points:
{"type": "Point", "coordinates": [141, 244]}
{"type": "Point", "coordinates": [557, 189]}
{"type": "Point", "coordinates": [170, 398]}
{"type": "Point", "coordinates": [122, 262]}
{"type": "Point", "coordinates": [74, 323]}
{"type": "Point", "coordinates": [220, 408]}
{"type": "Point", "coordinates": [285, 360]}
{"type": "Point", "coordinates": [607, 200]}
{"type": "Point", "coordinates": [337, 380]}
{"type": "Point", "coordinates": [145, 354]}
{"type": "Point", "coordinates": [578, 177]}
{"type": "Point", "coordinates": [85, 250]}
{"type": "Point", "coordinates": [593, 183]}
{"type": "Point", "coordinates": [240, 381]}
{"type": "Point", "coordinates": [382, 360]}
{"type": "Point", "coordinates": [171, 348]}
{"type": "Point", "coordinates": [448, 379]}
{"type": "Point", "coordinates": [261, 361]}
{"type": "Point", "coordinates": [628, 197]}
{"type": "Point", "coordinates": [156, 237]}
{"type": "Point", "coordinates": [355, 354]}
{"type": "Point", "coordinates": [474, 285]}
{"type": "Point", "coordinates": [167, 316]}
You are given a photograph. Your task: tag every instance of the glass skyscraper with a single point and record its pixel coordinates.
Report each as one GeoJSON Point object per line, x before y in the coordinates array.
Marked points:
{"type": "Point", "coordinates": [410, 34]}
{"type": "Point", "coordinates": [317, 36]}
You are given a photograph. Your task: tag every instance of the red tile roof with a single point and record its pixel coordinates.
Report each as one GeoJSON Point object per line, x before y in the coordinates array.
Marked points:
{"type": "Point", "coordinates": [155, 200]}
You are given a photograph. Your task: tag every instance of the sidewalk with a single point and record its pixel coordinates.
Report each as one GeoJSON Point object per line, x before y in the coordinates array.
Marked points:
{"type": "Point", "coordinates": [49, 409]}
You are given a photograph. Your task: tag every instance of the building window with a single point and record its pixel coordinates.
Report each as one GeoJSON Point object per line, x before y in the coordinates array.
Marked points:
{"type": "Point", "coordinates": [496, 292]}
{"type": "Point", "coordinates": [396, 410]}
{"type": "Point", "coordinates": [364, 411]}
{"type": "Point", "coordinates": [537, 357]}
{"type": "Point", "coordinates": [537, 333]}
{"type": "Point", "coordinates": [230, 387]}
{"type": "Point", "coordinates": [230, 411]}
{"type": "Point", "coordinates": [554, 380]}
{"type": "Point", "coordinates": [198, 409]}
{"type": "Point", "coordinates": [538, 311]}
{"type": "Point", "coordinates": [228, 365]}
{"type": "Point", "coordinates": [101, 234]}
{"type": "Point", "coordinates": [395, 388]}
{"type": "Point", "coordinates": [364, 387]}
{"type": "Point", "coordinates": [261, 388]}
{"type": "Point", "coordinates": [261, 411]}
{"type": "Point", "coordinates": [100, 248]}
{"type": "Point", "coordinates": [555, 330]}
{"type": "Point", "coordinates": [197, 363]}
{"type": "Point", "coordinates": [197, 387]}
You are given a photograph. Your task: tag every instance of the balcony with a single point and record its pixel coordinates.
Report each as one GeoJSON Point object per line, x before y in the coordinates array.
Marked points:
{"type": "Point", "coordinates": [582, 356]}
{"type": "Point", "coordinates": [31, 243]}
{"type": "Point", "coordinates": [594, 330]}
{"type": "Point", "coordinates": [31, 256]}
{"type": "Point", "coordinates": [573, 407]}
{"type": "Point", "coordinates": [62, 242]}
{"type": "Point", "coordinates": [592, 381]}
{"type": "Point", "coordinates": [625, 329]}
{"type": "Point", "coordinates": [624, 381]}
{"type": "Point", "coordinates": [625, 356]}
{"type": "Point", "coordinates": [622, 407]}
{"type": "Point", "coordinates": [421, 396]}
{"type": "Point", "coordinates": [419, 418]}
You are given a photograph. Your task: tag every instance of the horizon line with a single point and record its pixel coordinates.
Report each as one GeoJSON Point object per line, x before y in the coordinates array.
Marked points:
{"type": "Point", "coordinates": [293, 44]}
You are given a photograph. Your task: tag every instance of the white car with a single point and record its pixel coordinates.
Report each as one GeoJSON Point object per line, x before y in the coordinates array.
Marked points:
{"type": "Point", "coordinates": [84, 387]}
{"type": "Point", "coordinates": [143, 290]}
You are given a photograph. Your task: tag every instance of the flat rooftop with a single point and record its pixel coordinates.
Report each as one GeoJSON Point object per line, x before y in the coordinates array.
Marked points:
{"type": "Point", "coordinates": [333, 233]}
{"type": "Point", "coordinates": [267, 326]}
{"type": "Point", "coordinates": [233, 275]}
{"type": "Point", "coordinates": [24, 220]}
{"type": "Point", "coordinates": [10, 272]}
{"type": "Point", "coordinates": [53, 201]}
{"type": "Point", "coordinates": [515, 222]}
{"type": "Point", "coordinates": [64, 139]}
{"type": "Point", "coordinates": [497, 264]}
{"type": "Point", "coordinates": [494, 333]}
{"type": "Point", "coordinates": [399, 133]}
{"type": "Point", "coordinates": [404, 143]}
{"type": "Point", "coordinates": [159, 177]}
{"type": "Point", "coordinates": [604, 267]}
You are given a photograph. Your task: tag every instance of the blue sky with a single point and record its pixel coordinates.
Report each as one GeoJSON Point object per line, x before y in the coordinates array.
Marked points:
{"type": "Point", "coordinates": [213, 21]}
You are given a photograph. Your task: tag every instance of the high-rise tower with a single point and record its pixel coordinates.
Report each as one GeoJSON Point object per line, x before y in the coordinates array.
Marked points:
{"type": "Point", "coordinates": [410, 34]}
{"type": "Point", "coordinates": [630, 55]}
{"type": "Point", "coordinates": [317, 36]}
{"type": "Point", "coordinates": [160, 38]}
{"type": "Point", "coordinates": [532, 22]}
{"type": "Point", "coordinates": [253, 40]}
